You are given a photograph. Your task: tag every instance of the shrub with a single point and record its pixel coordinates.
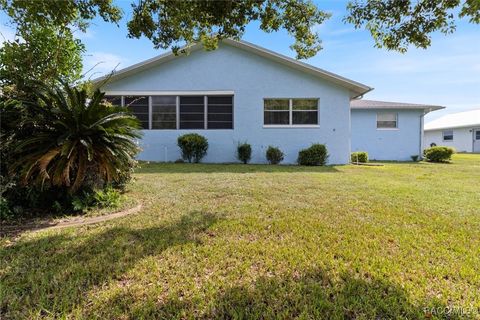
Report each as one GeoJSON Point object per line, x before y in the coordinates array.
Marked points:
{"type": "Point", "coordinates": [315, 155]}
{"type": "Point", "coordinates": [359, 156]}
{"type": "Point", "coordinates": [244, 152]}
{"type": "Point", "coordinates": [104, 198]}
{"type": "Point", "coordinates": [414, 158]}
{"type": "Point", "coordinates": [274, 155]}
{"type": "Point", "coordinates": [180, 161]}
{"type": "Point", "coordinates": [438, 154]}
{"type": "Point", "coordinates": [193, 146]}
{"type": "Point", "coordinates": [61, 141]}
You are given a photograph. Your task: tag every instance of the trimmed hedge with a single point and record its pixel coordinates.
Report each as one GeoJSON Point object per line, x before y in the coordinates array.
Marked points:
{"type": "Point", "coordinates": [244, 152]}
{"type": "Point", "coordinates": [315, 155]}
{"type": "Point", "coordinates": [193, 146]}
{"type": "Point", "coordinates": [274, 155]}
{"type": "Point", "coordinates": [438, 154]}
{"type": "Point", "coordinates": [359, 156]}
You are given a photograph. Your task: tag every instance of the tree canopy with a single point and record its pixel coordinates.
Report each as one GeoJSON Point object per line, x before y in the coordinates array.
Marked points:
{"type": "Point", "coordinates": [395, 24]}
{"type": "Point", "coordinates": [46, 47]}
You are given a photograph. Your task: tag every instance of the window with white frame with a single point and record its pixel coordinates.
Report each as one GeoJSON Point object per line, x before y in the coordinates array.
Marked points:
{"type": "Point", "coordinates": [447, 135]}
{"type": "Point", "coordinates": [179, 112]}
{"type": "Point", "coordinates": [290, 112]}
{"type": "Point", "coordinates": [387, 120]}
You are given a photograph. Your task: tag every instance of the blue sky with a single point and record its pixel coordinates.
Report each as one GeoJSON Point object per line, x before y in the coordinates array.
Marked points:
{"type": "Point", "coordinates": [447, 73]}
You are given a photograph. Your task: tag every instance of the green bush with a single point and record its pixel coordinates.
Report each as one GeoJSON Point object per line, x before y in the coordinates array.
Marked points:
{"type": "Point", "coordinates": [104, 198]}
{"type": "Point", "coordinates": [414, 157]}
{"type": "Point", "coordinates": [193, 146]}
{"type": "Point", "coordinates": [438, 154]}
{"type": "Point", "coordinates": [359, 156]}
{"type": "Point", "coordinates": [315, 155]}
{"type": "Point", "coordinates": [274, 155]}
{"type": "Point", "coordinates": [244, 152]}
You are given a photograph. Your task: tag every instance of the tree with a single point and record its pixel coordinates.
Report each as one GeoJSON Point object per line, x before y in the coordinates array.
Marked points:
{"type": "Point", "coordinates": [45, 48]}
{"type": "Point", "coordinates": [395, 24]}
{"type": "Point", "coordinates": [171, 23]}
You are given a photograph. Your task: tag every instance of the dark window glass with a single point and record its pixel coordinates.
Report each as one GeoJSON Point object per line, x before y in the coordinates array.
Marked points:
{"type": "Point", "coordinates": [477, 135]}
{"type": "Point", "coordinates": [220, 112]}
{"type": "Point", "coordinates": [138, 105]}
{"type": "Point", "coordinates": [192, 112]}
{"type": "Point", "coordinates": [164, 112]}
{"type": "Point", "coordinates": [305, 117]}
{"type": "Point", "coordinates": [276, 117]}
{"type": "Point", "coordinates": [115, 100]}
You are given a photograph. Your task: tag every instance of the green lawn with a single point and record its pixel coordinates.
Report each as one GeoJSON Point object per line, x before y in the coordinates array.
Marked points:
{"type": "Point", "coordinates": [259, 241]}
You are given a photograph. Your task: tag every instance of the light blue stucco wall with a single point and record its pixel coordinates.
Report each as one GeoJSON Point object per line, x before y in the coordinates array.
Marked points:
{"type": "Point", "coordinates": [252, 78]}
{"type": "Point", "coordinates": [399, 144]}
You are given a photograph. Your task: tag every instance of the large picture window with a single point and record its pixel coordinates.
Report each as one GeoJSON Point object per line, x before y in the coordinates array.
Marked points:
{"type": "Point", "coordinates": [290, 112]}
{"type": "Point", "coordinates": [179, 112]}
{"type": "Point", "coordinates": [387, 120]}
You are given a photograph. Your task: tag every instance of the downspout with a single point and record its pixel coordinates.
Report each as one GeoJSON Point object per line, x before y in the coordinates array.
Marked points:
{"type": "Point", "coordinates": [420, 155]}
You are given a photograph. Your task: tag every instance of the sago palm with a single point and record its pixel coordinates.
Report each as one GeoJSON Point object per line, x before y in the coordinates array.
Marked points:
{"type": "Point", "coordinates": [75, 136]}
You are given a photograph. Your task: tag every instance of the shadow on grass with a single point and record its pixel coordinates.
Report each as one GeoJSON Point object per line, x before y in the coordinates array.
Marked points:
{"type": "Point", "coordinates": [159, 167]}
{"type": "Point", "coordinates": [315, 295]}
{"type": "Point", "coordinates": [50, 275]}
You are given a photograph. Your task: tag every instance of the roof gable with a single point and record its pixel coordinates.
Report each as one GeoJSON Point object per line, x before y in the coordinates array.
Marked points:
{"type": "Point", "coordinates": [356, 89]}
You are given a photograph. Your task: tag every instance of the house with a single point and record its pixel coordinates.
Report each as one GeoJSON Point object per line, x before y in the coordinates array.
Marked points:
{"type": "Point", "coordinates": [244, 93]}
{"type": "Point", "coordinates": [388, 130]}
{"type": "Point", "coordinates": [459, 130]}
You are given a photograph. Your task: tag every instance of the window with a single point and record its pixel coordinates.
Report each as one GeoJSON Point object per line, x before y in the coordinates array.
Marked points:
{"type": "Point", "coordinates": [305, 111]}
{"type": "Point", "coordinates": [447, 135]}
{"type": "Point", "coordinates": [164, 112]}
{"type": "Point", "coordinates": [276, 111]}
{"type": "Point", "coordinates": [179, 112]}
{"type": "Point", "coordinates": [138, 105]}
{"type": "Point", "coordinates": [220, 112]}
{"type": "Point", "coordinates": [192, 112]}
{"type": "Point", "coordinates": [290, 112]}
{"type": "Point", "coordinates": [387, 120]}
{"type": "Point", "coordinates": [477, 135]}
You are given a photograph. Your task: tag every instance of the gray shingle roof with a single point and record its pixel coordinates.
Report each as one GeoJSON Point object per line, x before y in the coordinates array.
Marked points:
{"type": "Point", "coordinates": [373, 104]}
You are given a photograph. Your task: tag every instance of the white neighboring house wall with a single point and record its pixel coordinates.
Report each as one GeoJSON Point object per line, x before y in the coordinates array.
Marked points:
{"type": "Point", "coordinates": [463, 138]}
{"type": "Point", "coordinates": [465, 127]}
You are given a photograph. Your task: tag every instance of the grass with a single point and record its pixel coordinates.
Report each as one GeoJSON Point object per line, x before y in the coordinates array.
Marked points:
{"type": "Point", "coordinates": [259, 241]}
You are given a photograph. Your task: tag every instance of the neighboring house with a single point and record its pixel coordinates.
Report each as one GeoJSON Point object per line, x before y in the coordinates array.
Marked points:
{"type": "Point", "coordinates": [244, 93]}
{"type": "Point", "coordinates": [388, 130]}
{"type": "Point", "coordinates": [459, 130]}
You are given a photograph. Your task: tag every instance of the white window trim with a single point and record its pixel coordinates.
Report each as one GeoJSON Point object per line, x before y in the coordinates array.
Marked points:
{"type": "Point", "coordinates": [170, 93]}
{"type": "Point", "coordinates": [290, 115]}
{"type": "Point", "coordinates": [386, 129]}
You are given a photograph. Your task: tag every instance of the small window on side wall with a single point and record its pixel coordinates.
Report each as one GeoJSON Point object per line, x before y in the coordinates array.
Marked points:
{"type": "Point", "coordinates": [387, 120]}
{"type": "Point", "coordinates": [447, 135]}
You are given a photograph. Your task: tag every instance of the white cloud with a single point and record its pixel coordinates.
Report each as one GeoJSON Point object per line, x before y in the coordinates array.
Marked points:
{"type": "Point", "coordinates": [99, 63]}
